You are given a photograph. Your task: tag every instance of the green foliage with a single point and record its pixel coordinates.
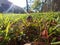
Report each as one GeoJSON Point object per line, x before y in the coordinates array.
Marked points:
{"type": "Point", "coordinates": [36, 4]}
{"type": "Point", "coordinates": [55, 43]}
{"type": "Point", "coordinates": [36, 27]}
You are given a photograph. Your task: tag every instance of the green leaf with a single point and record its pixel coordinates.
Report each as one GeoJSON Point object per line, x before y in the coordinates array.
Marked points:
{"type": "Point", "coordinates": [54, 39]}
{"type": "Point", "coordinates": [54, 43]}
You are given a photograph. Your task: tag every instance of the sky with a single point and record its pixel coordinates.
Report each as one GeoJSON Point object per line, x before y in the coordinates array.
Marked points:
{"type": "Point", "coordinates": [20, 3]}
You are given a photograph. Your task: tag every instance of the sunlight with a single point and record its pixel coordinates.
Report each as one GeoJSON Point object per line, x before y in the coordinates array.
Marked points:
{"type": "Point", "coordinates": [20, 3]}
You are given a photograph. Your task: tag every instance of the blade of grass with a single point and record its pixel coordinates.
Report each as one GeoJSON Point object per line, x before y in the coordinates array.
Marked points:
{"type": "Point", "coordinates": [54, 43]}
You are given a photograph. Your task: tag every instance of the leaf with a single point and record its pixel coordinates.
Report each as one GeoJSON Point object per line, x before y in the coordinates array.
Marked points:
{"type": "Point", "coordinates": [55, 43]}
{"type": "Point", "coordinates": [7, 29]}
{"type": "Point", "coordinates": [53, 39]}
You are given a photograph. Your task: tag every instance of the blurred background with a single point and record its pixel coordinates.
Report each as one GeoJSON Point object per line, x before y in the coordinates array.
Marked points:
{"type": "Point", "coordinates": [23, 6]}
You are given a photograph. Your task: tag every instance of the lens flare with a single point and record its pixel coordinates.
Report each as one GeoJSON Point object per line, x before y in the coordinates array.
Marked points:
{"type": "Point", "coordinates": [20, 3]}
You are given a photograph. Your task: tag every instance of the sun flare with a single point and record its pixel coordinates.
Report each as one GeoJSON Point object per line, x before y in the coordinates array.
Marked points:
{"type": "Point", "coordinates": [20, 3]}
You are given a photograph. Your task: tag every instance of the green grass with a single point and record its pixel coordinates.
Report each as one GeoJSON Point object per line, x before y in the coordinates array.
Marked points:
{"type": "Point", "coordinates": [16, 22]}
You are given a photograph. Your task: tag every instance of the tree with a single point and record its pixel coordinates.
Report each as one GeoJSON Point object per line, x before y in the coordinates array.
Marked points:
{"type": "Point", "coordinates": [36, 4]}
{"type": "Point", "coordinates": [56, 5]}
{"type": "Point", "coordinates": [46, 5]}
{"type": "Point", "coordinates": [27, 4]}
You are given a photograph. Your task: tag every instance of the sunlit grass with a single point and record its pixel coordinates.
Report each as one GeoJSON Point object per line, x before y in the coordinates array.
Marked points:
{"type": "Point", "coordinates": [17, 22]}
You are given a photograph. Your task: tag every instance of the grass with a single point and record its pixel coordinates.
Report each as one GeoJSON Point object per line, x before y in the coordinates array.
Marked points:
{"type": "Point", "coordinates": [33, 27]}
